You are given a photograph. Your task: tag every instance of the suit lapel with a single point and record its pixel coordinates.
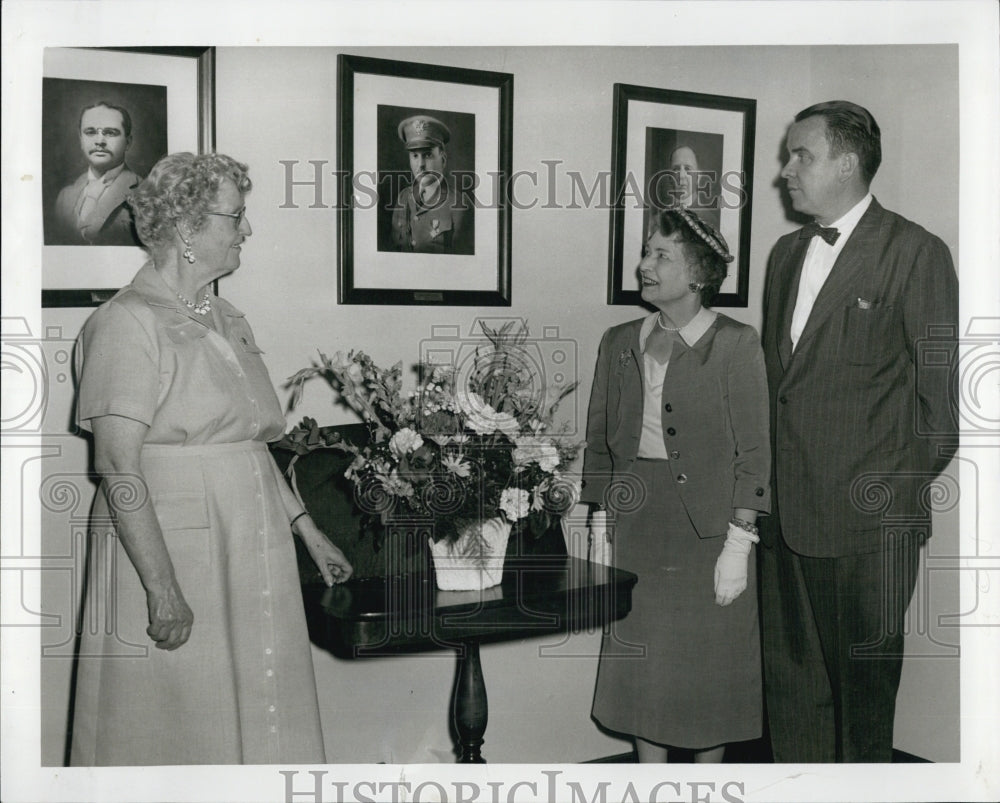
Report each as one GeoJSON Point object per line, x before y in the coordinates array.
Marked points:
{"type": "Point", "coordinates": [787, 290]}
{"type": "Point", "coordinates": [114, 195]}
{"type": "Point", "coordinates": [636, 352]}
{"type": "Point", "coordinates": [854, 259]}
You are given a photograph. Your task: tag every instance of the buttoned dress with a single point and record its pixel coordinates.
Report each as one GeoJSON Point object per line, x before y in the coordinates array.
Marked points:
{"type": "Point", "coordinates": [242, 689]}
{"type": "Point", "coordinates": [680, 670]}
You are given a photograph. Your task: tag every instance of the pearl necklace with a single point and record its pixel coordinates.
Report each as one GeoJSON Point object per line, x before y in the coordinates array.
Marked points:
{"type": "Point", "coordinates": [203, 307]}
{"type": "Point", "coordinates": [659, 320]}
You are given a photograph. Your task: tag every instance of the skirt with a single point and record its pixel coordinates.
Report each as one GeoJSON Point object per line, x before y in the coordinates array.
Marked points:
{"type": "Point", "coordinates": [679, 670]}
{"type": "Point", "coordinates": [242, 689]}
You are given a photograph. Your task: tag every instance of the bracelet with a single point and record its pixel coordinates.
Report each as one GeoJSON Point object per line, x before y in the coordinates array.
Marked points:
{"type": "Point", "coordinates": [292, 522]}
{"type": "Point", "coordinates": [744, 525]}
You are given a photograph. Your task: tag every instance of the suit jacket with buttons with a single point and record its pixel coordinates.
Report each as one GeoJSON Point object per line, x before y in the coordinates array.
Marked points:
{"type": "Point", "coordinates": [861, 406]}
{"type": "Point", "coordinates": [714, 414]}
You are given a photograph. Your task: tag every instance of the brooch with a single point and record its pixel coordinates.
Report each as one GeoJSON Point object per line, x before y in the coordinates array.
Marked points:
{"type": "Point", "coordinates": [625, 358]}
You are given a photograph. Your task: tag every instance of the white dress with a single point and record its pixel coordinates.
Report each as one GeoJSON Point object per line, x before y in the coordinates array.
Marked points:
{"type": "Point", "coordinates": [242, 689]}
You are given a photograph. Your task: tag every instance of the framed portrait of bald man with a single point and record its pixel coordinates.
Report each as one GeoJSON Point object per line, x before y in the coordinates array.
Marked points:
{"type": "Point", "coordinates": [424, 154]}
{"type": "Point", "coordinates": [680, 150]}
{"type": "Point", "coordinates": [108, 115]}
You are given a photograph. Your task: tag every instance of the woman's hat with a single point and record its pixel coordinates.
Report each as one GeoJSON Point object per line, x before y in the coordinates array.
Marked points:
{"type": "Point", "coordinates": [707, 232]}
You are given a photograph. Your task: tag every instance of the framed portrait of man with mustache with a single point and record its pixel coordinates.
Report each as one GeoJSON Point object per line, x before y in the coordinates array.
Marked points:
{"type": "Point", "coordinates": [104, 124]}
{"type": "Point", "coordinates": [99, 140]}
{"type": "Point", "coordinates": [424, 157]}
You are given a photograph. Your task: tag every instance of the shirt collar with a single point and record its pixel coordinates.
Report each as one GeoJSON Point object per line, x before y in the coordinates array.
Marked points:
{"type": "Point", "coordinates": [108, 176]}
{"type": "Point", "coordinates": [150, 285]}
{"type": "Point", "coordinates": [849, 221]}
{"type": "Point", "coordinates": [690, 333]}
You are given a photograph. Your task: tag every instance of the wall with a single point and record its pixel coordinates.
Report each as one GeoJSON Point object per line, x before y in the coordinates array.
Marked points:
{"type": "Point", "coordinates": [279, 103]}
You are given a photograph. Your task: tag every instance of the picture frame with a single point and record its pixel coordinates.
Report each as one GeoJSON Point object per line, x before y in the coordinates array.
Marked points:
{"type": "Point", "coordinates": [442, 238]}
{"type": "Point", "coordinates": [147, 81]}
{"type": "Point", "coordinates": [655, 163]}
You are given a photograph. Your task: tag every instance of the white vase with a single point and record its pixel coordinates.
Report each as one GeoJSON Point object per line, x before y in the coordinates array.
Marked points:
{"type": "Point", "coordinates": [474, 560]}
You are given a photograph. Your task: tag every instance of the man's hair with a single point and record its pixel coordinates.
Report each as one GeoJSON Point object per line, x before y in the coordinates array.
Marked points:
{"type": "Point", "coordinates": [126, 118]}
{"type": "Point", "coordinates": [850, 129]}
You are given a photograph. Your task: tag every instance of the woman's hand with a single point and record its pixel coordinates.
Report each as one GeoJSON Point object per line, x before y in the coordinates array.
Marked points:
{"type": "Point", "coordinates": [331, 562]}
{"type": "Point", "coordinates": [117, 446]}
{"type": "Point", "coordinates": [170, 618]}
{"type": "Point", "coordinates": [731, 565]}
{"type": "Point", "coordinates": [731, 572]}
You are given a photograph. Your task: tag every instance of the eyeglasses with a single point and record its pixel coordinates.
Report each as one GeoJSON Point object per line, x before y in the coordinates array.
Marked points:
{"type": "Point", "coordinates": [107, 132]}
{"type": "Point", "coordinates": [239, 215]}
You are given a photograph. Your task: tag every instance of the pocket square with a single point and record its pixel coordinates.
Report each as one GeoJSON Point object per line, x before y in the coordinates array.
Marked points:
{"type": "Point", "coordinates": [864, 303]}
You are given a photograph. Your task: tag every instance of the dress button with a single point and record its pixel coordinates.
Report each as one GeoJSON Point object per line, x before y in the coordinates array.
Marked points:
{"type": "Point", "coordinates": [682, 478]}
{"type": "Point", "coordinates": [783, 399]}
{"type": "Point", "coordinates": [270, 673]}
{"type": "Point", "coordinates": [268, 651]}
{"type": "Point", "coordinates": [671, 431]}
{"type": "Point", "coordinates": [759, 491]}
{"type": "Point", "coordinates": [675, 455]}
{"type": "Point", "coordinates": [668, 408]}
{"type": "Point", "coordinates": [271, 708]}
{"type": "Point", "coordinates": [266, 592]}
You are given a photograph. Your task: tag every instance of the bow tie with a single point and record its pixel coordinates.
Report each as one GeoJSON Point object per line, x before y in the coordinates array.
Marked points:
{"type": "Point", "coordinates": [828, 233]}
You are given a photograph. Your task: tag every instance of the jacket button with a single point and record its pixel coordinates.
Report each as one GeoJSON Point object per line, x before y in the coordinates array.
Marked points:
{"type": "Point", "coordinates": [668, 408]}
{"type": "Point", "coordinates": [682, 478]}
{"type": "Point", "coordinates": [783, 399]}
{"type": "Point", "coordinates": [675, 455]}
{"type": "Point", "coordinates": [759, 491]}
{"type": "Point", "coordinates": [671, 431]}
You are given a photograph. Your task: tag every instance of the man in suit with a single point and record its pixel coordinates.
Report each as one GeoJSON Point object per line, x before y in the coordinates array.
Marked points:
{"type": "Point", "coordinates": [92, 210]}
{"type": "Point", "coordinates": [430, 215]}
{"type": "Point", "coordinates": [860, 425]}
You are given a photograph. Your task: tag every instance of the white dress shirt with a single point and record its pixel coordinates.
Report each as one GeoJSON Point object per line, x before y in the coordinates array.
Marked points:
{"type": "Point", "coordinates": [819, 261]}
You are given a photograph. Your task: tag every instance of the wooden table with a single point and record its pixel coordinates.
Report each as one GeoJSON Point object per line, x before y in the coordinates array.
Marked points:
{"type": "Point", "coordinates": [538, 596]}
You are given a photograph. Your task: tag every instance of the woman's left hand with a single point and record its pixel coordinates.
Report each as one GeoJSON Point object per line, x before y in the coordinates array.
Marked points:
{"type": "Point", "coordinates": [332, 563]}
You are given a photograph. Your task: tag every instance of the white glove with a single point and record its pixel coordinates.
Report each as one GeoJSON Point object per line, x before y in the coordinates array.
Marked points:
{"type": "Point", "coordinates": [600, 537]}
{"type": "Point", "coordinates": [731, 566]}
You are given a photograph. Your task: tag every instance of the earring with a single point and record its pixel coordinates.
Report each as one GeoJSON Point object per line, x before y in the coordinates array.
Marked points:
{"type": "Point", "coordinates": [188, 254]}
{"type": "Point", "coordinates": [695, 288]}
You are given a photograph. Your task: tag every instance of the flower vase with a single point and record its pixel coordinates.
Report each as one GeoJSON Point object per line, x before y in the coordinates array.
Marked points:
{"type": "Point", "coordinates": [474, 560]}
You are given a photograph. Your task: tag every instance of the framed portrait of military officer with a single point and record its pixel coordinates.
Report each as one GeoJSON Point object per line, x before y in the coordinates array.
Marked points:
{"type": "Point", "coordinates": [424, 155]}
{"type": "Point", "coordinates": [108, 115]}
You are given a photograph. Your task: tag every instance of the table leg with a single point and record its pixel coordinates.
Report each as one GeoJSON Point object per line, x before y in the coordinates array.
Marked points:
{"type": "Point", "coordinates": [469, 708]}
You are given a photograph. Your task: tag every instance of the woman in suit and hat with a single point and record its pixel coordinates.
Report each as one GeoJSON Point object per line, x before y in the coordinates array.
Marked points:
{"type": "Point", "coordinates": [678, 462]}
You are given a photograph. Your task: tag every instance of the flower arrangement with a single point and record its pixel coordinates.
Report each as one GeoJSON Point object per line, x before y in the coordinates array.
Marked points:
{"type": "Point", "coordinates": [465, 446]}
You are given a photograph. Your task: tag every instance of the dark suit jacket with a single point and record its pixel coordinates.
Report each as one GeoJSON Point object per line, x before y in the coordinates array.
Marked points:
{"type": "Point", "coordinates": [861, 406]}
{"type": "Point", "coordinates": [113, 216]}
{"type": "Point", "coordinates": [714, 416]}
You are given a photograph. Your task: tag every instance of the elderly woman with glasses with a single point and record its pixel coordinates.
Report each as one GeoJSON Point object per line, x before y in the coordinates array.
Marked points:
{"type": "Point", "coordinates": [678, 464]}
{"type": "Point", "coordinates": [198, 651]}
